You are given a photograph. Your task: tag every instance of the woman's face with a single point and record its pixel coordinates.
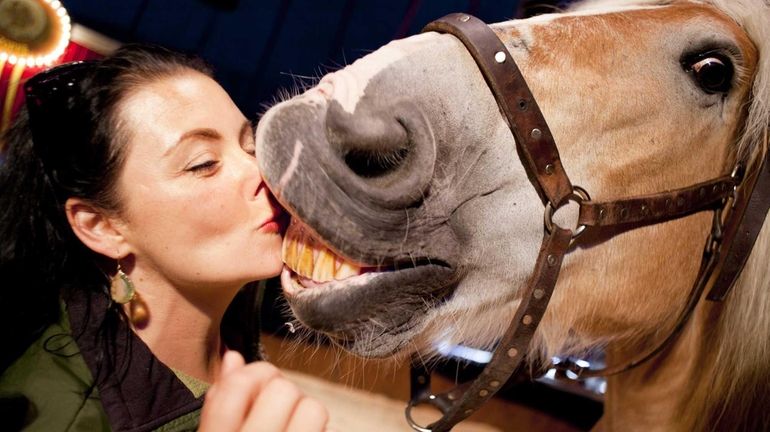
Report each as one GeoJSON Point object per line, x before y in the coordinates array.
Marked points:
{"type": "Point", "coordinates": [195, 210]}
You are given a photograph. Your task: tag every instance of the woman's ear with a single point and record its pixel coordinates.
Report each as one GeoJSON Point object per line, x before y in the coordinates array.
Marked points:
{"type": "Point", "coordinates": [96, 228]}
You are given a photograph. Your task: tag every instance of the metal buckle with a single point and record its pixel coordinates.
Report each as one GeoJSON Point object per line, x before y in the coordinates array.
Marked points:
{"type": "Point", "coordinates": [430, 400]}
{"type": "Point", "coordinates": [714, 239]}
{"type": "Point", "coordinates": [578, 195]}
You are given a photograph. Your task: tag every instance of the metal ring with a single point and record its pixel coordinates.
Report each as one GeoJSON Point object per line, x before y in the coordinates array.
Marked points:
{"type": "Point", "coordinates": [578, 195]}
{"type": "Point", "coordinates": [413, 424]}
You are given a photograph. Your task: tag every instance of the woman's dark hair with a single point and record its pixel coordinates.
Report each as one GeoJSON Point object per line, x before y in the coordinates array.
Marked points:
{"type": "Point", "coordinates": [67, 142]}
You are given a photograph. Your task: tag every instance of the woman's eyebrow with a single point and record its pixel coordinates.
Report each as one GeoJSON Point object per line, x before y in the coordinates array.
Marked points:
{"type": "Point", "coordinates": [247, 129]}
{"type": "Point", "coordinates": [205, 133]}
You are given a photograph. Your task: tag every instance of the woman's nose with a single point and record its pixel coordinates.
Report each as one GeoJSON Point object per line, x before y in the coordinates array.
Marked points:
{"type": "Point", "coordinates": [250, 176]}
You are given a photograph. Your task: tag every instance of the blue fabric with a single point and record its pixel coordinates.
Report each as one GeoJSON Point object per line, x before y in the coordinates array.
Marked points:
{"type": "Point", "coordinates": [257, 47]}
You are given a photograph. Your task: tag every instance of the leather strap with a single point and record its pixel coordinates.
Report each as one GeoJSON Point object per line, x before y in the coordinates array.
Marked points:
{"type": "Point", "coordinates": [742, 228]}
{"type": "Point", "coordinates": [533, 137]}
{"type": "Point", "coordinates": [658, 207]}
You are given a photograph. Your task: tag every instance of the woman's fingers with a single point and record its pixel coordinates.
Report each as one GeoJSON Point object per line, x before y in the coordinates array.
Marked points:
{"type": "Point", "coordinates": [231, 361]}
{"type": "Point", "coordinates": [282, 407]}
{"type": "Point", "coordinates": [231, 398]}
{"type": "Point", "coordinates": [274, 407]}
{"type": "Point", "coordinates": [309, 416]}
{"type": "Point", "coordinates": [256, 397]}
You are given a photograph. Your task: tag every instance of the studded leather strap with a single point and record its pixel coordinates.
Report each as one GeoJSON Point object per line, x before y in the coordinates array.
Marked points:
{"type": "Point", "coordinates": [533, 137]}
{"type": "Point", "coordinates": [657, 207]}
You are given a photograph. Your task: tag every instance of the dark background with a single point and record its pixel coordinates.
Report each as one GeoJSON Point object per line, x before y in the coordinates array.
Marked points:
{"type": "Point", "coordinates": [260, 46]}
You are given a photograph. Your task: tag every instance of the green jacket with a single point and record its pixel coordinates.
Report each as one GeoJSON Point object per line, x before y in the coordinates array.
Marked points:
{"type": "Point", "coordinates": [51, 387]}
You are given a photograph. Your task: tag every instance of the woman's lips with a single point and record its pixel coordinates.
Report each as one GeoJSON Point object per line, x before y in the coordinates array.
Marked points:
{"type": "Point", "coordinates": [276, 224]}
{"type": "Point", "coordinates": [279, 219]}
{"type": "Point", "coordinates": [270, 227]}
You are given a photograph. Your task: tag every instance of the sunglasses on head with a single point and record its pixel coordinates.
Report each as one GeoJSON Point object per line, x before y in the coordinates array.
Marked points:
{"type": "Point", "coordinates": [56, 109]}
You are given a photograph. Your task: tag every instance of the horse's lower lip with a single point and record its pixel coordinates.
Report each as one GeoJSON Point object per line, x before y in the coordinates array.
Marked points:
{"type": "Point", "coordinates": [344, 309]}
{"type": "Point", "coordinates": [293, 283]}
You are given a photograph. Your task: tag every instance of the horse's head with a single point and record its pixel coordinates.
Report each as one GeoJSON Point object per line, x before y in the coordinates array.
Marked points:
{"type": "Point", "coordinates": [403, 164]}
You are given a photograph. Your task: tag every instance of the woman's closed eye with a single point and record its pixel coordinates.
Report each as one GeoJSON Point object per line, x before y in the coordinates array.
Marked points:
{"type": "Point", "coordinates": [204, 167]}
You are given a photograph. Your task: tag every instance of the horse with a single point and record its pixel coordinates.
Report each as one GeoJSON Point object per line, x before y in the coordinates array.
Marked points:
{"type": "Point", "coordinates": [415, 222]}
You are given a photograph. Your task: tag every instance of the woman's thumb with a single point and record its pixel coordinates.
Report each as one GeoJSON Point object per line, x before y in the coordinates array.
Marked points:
{"type": "Point", "coordinates": [231, 361]}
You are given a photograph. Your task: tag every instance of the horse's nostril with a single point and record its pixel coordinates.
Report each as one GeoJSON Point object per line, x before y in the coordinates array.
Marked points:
{"type": "Point", "coordinates": [373, 163]}
{"type": "Point", "coordinates": [383, 151]}
{"type": "Point", "coordinates": [371, 143]}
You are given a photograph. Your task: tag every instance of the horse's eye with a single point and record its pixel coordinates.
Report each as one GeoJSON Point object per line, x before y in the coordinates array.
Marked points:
{"type": "Point", "coordinates": [712, 73]}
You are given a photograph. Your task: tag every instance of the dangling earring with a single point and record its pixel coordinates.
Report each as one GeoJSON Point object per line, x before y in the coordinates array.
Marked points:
{"type": "Point", "coordinates": [138, 311]}
{"type": "Point", "coordinates": [122, 291]}
{"type": "Point", "coordinates": [122, 288]}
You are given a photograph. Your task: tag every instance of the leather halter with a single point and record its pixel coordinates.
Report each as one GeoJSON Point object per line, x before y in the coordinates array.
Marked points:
{"type": "Point", "coordinates": [739, 213]}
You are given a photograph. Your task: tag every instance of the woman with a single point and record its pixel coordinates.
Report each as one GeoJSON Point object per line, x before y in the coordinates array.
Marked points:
{"type": "Point", "coordinates": [137, 212]}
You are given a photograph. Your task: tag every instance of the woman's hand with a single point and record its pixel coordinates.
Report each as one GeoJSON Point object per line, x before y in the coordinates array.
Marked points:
{"type": "Point", "coordinates": [256, 397]}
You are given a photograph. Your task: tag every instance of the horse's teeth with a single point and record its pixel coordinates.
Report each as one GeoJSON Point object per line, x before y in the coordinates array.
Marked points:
{"type": "Point", "coordinates": [324, 266]}
{"type": "Point", "coordinates": [347, 270]}
{"type": "Point", "coordinates": [289, 251]}
{"type": "Point", "coordinates": [285, 248]}
{"type": "Point", "coordinates": [310, 259]}
{"type": "Point", "coordinates": [305, 261]}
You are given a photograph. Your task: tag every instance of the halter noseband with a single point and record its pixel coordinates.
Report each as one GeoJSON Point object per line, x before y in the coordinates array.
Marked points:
{"type": "Point", "coordinates": [734, 230]}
